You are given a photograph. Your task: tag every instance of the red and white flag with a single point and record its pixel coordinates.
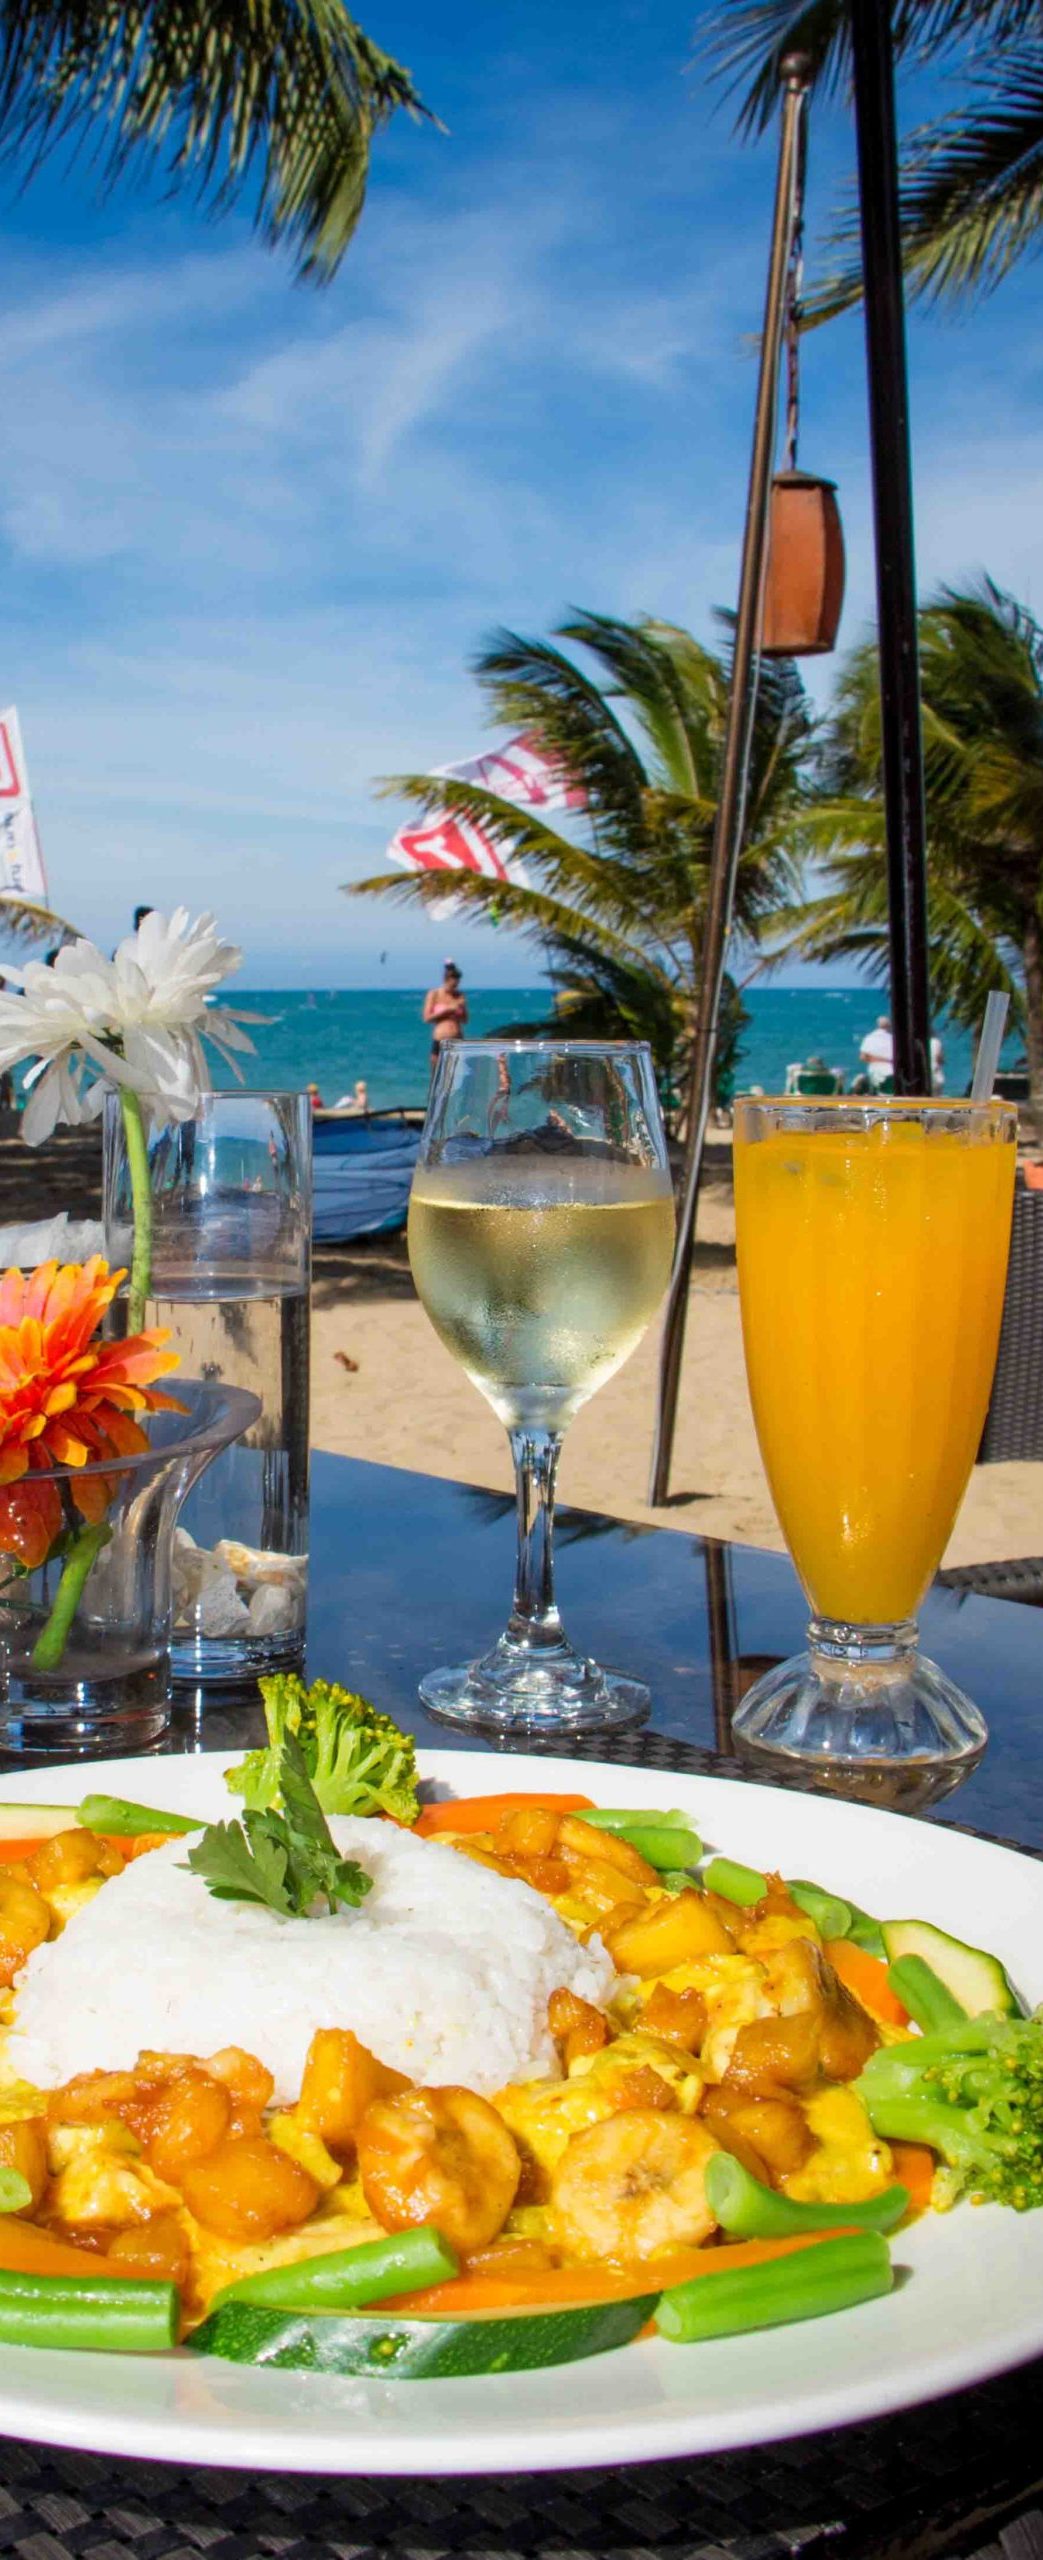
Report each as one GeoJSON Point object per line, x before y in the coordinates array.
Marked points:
{"type": "Point", "coordinates": [521, 772]}
{"type": "Point", "coordinates": [22, 873]}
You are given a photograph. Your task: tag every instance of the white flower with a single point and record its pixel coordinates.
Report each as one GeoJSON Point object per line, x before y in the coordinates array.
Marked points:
{"type": "Point", "coordinates": [139, 1020]}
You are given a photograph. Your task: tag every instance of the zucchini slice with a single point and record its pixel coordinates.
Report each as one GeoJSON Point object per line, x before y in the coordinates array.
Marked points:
{"type": "Point", "coordinates": [35, 1821]}
{"type": "Point", "coordinates": [418, 2350]}
{"type": "Point", "coordinates": [977, 1980]}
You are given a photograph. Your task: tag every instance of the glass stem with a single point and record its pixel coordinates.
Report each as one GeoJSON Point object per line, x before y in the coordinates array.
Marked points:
{"type": "Point", "coordinates": [534, 1618]}
{"type": "Point", "coordinates": [141, 1195]}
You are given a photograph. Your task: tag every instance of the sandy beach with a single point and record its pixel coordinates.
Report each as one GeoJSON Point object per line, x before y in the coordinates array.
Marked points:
{"type": "Point", "coordinates": [384, 1388]}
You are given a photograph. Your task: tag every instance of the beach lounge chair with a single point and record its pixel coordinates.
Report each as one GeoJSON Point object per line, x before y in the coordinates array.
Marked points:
{"type": "Point", "coordinates": [363, 1168]}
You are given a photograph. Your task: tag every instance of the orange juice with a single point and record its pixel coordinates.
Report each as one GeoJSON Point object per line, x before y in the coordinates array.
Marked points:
{"type": "Point", "coordinates": [872, 1261]}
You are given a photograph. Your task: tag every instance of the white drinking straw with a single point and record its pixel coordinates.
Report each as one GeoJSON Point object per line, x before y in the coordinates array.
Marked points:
{"type": "Point", "coordinates": [989, 1046]}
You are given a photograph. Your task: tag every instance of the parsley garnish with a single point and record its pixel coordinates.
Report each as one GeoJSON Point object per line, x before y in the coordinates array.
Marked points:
{"type": "Point", "coordinates": [283, 1860]}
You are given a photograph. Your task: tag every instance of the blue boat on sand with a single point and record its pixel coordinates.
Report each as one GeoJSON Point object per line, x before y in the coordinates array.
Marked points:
{"type": "Point", "coordinates": [363, 1167]}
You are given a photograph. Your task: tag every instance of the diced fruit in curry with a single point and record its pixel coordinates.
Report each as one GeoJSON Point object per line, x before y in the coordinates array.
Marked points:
{"type": "Point", "coordinates": [94, 2097]}
{"type": "Point", "coordinates": [848, 2160]}
{"type": "Point", "coordinates": [633, 2186]}
{"type": "Point", "coordinates": [579, 1842]}
{"type": "Point", "coordinates": [602, 1889]}
{"type": "Point", "coordinates": [25, 1920]}
{"type": "Point", "coordinates": [546, 1875]}
{"type": "Point", "coordinates": [185, 2121]}
{"type": "Point", "coordinates": [248, 2190]}
{"type": "Point", "coordinates": [293, 2137]}
{"type": "Point", "coordinates": [528, 1831]}
{"type": "Point", "coordinates": [676, 1929]}
{"type": "Point", "coordinates": [70, 1858]}
{"type": "Point", "coordinates": [157, 2248]}
{"type": "Point", "coordinates": [775, 2053]}
{"type": "Point", "coordinates": [443, 2156]}
{"type": "Point", "coordinates": [23, 2146]}
{"type": "Point", "coordinates": [576, 2026]}
{"type": "Point", "coordinates": [803, 1981]}
{"type": "Point", "coordinates": [640, 2086]}
{"type": "Point", "coordinates": [341, 2079]}
{"type": "Point", "coordinates": [776, 2128]}
{"type": "Point", "coordinates": [680, 2016]}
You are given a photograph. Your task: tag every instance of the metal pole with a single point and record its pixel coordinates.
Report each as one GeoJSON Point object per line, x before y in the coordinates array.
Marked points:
{"type": "Point", "coordinates": [901, 741]}
{"type": "Point", "coordinates": [731, 803]}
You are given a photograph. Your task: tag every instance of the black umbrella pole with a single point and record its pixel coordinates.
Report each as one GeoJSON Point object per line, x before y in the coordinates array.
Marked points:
{"type": "Point", "coordinates": [731, 800]}
{"type": "Point", "coordinates": [901, 739]}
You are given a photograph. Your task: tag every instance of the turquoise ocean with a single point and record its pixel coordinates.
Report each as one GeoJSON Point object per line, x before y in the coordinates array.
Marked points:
{"type": "Point", "coordinates": [331, 1037]}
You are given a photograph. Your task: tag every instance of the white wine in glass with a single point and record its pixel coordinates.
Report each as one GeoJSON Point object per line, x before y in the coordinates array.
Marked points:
{"type": "Point", "coordinates": [541, 1229]}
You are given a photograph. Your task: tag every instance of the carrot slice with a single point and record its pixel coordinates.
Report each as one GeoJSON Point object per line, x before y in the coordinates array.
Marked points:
{"type": "Point", "coordinates": [13, 1851]}
{"type": "Point", "coordinates": [26, 2250]}
{"type": "Point", "coordinates": [485, 1813]}
{"type": "Point", "coordinates": [914, 2168]}
{"type": "Point", "coordinates": [555, 2286]}
{"type": "Point", "coordinates": [867, 1978]}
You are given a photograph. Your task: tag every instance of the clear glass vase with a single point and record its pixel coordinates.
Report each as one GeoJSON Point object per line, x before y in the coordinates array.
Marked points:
{"type": "Point", "coordinates": [230, 1278]}
{"type": "Point", "coordinates": [85, 1658]}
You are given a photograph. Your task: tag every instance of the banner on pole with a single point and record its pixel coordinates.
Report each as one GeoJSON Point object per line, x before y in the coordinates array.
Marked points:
{"type": "Point", "coordinates": [521, 771]}
{"type": "Point", "coordinates": [22, 873]}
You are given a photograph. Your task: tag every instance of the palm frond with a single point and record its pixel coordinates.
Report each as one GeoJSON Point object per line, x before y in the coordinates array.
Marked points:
{"type": "Point", "coordinates": [25, 920]}
{"type": "Point", "coordinates": [532, 685]}
{"type": "Point", "coordinates": [749, 40]}
{"type": "Point", "coordinates": [274, 100]}
{"type": "Point", "coordinates": [971, 193]}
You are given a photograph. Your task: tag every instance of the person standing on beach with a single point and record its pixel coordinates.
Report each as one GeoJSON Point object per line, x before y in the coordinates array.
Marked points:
{"type": "Point", "coordinates": [445, 1008]}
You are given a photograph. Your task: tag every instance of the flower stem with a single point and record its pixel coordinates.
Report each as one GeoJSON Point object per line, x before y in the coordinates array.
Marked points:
{"type": "Point", "coordinates": [54, 1636]}
{"type": "Point", "coordinates": [141, 1196]}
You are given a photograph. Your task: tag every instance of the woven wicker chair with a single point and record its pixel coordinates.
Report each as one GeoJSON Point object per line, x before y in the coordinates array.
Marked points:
{"type": "Point", "coordinates": [1014, 1421]}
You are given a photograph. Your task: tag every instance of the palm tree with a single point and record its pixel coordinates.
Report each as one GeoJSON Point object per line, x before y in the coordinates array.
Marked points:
{"type": "Point", "coordinates": [274, 100]}
{"type": "Point", "coordinates": [619, 909]}
{"type": "Point", "coordinates": [972, 182]}
{"type": "Point", "coordinates": [981, 664]}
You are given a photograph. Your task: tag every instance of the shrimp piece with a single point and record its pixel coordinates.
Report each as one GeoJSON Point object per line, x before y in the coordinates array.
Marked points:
{"type": "Point", "coordinates": [441, 2156]}
{"type": "Point", "coordinates": [633, 2186]}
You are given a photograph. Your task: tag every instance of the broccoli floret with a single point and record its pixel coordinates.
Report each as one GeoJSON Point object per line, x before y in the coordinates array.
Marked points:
{"type": "Point", "coordinates": [974, 2093]}
{"type": "Point", "coordinates": [357, 1759]}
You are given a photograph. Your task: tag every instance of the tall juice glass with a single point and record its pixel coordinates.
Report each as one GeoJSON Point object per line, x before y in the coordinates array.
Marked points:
{"type": "Point", "coordinates": [541, 1227]}
{"type": "Point", "coordinates": [872, 1243]}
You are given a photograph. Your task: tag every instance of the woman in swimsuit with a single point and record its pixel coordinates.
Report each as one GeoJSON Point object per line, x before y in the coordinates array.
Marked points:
{"type": "Point", "coordinates": [445, 1008]}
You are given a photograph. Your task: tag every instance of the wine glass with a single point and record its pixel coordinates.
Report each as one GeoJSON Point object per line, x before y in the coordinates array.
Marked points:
{"type": "Point", "coordinates": [541, 1228]}
{"type": "Point", "coordinates": [872, 1241]}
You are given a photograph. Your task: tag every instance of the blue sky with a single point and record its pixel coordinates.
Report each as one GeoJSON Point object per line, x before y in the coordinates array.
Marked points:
{"type": "Point", "coordinates": [250, 534]}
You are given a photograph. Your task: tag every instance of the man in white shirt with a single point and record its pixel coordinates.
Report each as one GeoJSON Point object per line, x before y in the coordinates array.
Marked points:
{"type": "Point", "coordinates": [877, 1053]}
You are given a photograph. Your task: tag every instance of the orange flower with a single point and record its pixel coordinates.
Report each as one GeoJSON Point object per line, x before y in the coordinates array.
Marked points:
{"type": "Point", "coordinates": [67, 1400]}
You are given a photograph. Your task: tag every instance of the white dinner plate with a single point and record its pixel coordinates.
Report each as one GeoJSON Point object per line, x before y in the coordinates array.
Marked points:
{"type": "Point", "coordinates": [968, 2301]}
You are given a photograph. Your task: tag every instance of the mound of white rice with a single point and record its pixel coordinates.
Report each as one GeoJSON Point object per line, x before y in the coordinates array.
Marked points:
{"type": "Point", "coordinates": [444, 1971]}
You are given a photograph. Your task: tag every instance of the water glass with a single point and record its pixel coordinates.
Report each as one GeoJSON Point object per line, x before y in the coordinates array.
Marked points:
{"type": "Point", "coordinates": [541, 1227]}
{"type": "Point", "coordinates": [230, 1276]}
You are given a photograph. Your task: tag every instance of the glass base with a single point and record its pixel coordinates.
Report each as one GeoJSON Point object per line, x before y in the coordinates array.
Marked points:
{"type": "Point", "coordinates": [863, 1711]}
{"type": "Point", "coordinates": [232, 1662]}
{"type": "Point", "coordinates": [524, 1690]}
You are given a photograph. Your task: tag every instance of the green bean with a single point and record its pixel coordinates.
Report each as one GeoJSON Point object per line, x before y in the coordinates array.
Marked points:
{"type": "Point", "coordinates": [831, 2276]}
{"type": "Point", "coordinates": [733, 1882]}
{"type": "Point", "coordinates": [347, 2278]}
{"type": "Point", "coordinates": [120, 2315]}
{"type": "Point", "coordinates": [665, 1840]}
{"type": "Point", "coordinates": [749, 2211]}
{"type": "Point", "coordinates": [866, 1932]}
{"type": "Point", "coordinates": [622, 1818]}
{"type": "Point", "coordinates": [120, 1820]}
{"type": "Point", "coordinates": [930, 2002]}
{"type": "Point", "coordinates": [831, 1915]}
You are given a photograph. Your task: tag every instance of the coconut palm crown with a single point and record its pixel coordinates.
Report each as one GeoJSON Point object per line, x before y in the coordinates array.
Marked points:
{"type": "Point", "coordinates": [972, 180]}
{"type": "Point", "coordinates": [981, 667]}
{"type": "Point", "coordinates": [275, 101]}
{"type": "Point", "coordinates": [619, 906]}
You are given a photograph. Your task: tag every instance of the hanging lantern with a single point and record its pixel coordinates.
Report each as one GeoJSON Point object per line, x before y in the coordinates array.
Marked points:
{"type": "Point", "coordinates": [804, 561]}
{"type": "Point", "coordinates": [804, 577]}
